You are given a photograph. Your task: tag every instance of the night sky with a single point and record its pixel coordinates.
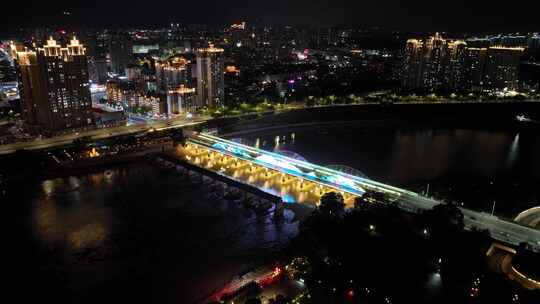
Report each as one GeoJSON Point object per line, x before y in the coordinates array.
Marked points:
{"type": "Point", "coordinates": [420, 15]}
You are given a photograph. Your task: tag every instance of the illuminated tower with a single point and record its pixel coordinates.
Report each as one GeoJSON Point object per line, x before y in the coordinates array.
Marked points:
{"type": "Point", "coordinates": [210, 78]}
{"type": "Point", "coordinates": [502, 67]}
{"type": "Point", "coordinates": [434, 53]}
{"type": "Point", "coordinates": [180, 100]}
{"type": "Point", "coordinates": [172, 73]}
{"type": "Point", "coordinates": [455, 78]}
{"type": "Point", "coordinates": [476, 62]}
{"type": "Point", "coordinates": [55, 90]}
{"type": "Point", "coordinates": [411, 76]}
{"type": "Point", "coordinates": [434, 64]}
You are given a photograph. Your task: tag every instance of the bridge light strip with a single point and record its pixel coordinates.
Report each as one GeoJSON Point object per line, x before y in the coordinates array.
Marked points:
{"type": "Point", "coordinates": [367, 183]}
{"type": "Point", "coordinates": [357, 191]}
{"type": "Point", "coordinates": [330, 176]}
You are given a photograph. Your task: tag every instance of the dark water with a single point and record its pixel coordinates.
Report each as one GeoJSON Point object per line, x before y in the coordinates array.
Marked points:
{"type": "Point", "coordinates": [136, 234]}
{"type": "Point", "coordinates": [475, 167]}
{"type": "Point", "coordinates": [142, 234]}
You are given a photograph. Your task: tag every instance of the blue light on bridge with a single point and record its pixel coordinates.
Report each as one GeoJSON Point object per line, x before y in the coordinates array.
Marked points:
{"type": "Point", "coordinates": [291, 166]}
{"type": "Point", "coordinates": [287, 198]}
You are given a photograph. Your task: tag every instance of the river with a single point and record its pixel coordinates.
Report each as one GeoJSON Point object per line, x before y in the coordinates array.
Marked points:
{"type": "Point", "coordinates": [138, 233]}
{"type": "Point", "coordinates": [471, 166]}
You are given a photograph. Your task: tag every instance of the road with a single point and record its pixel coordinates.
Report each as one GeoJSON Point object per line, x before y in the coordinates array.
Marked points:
{"type": "Point", "coordinates": [503, 230]}
{"type": "Point", "coordinates": [100, 134]}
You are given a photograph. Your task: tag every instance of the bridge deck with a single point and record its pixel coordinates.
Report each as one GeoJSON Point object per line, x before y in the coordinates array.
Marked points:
{"type": "Point", "coordinates": [506, 231]}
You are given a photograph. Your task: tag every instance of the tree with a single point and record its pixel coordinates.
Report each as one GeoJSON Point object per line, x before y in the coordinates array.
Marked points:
{"type": "Point", "coordinates": [445, 222]}
{"type": "Point", "coordinates": [359, 203]}
{"type": "Point", "coordinates": [332, 204]}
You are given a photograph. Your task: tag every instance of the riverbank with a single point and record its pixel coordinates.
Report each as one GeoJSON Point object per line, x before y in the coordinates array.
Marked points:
{"type": "Point", "coordinates": [461, 115]}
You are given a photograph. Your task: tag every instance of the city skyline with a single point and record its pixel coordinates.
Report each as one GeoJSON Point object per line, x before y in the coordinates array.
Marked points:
{"type": "Point", "coordinates": [270, 153]}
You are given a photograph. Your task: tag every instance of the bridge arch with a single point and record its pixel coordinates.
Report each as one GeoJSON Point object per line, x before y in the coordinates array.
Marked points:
{"type": "Point", "coordinates": [529, 217]}
{"type": "Point", "coordinates": [501, 256]}
{"type": "Point", "coordinates": [347, 170]}
{"type": "Point", "coordinates": [291, 154]}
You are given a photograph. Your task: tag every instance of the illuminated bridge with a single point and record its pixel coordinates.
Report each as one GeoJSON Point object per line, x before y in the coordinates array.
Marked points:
{"type": "Point", "coordinates": [296, 180]}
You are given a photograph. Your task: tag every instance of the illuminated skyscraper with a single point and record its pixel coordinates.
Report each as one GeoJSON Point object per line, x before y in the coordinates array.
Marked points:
{"type": "Point", "coordinates": [427, 65]}
{"type": "Point", "coordinates": [502, 68]}
{"type": "Point", "coordinates": [476, 63]}
{"type": "Point", "coordinates": [411, 76]}
{"type": "Point", "coordinates": [435, 64]}
{"type": "Point", "coordinates": [172, 73]}
{"type": "Point", "coordinates": [455, 67]}
{"type": "Point", "coordinates": [181, 100]}
{"type": "Point", "coordinates": [210, 78]}
{"type": "Point", "coordinates": [55, 88]}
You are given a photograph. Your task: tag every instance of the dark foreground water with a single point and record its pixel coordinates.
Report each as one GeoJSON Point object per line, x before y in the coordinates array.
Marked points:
{"type": "Point", "coordinates": [136, 234]}
{"type": "Point", "coordinates": [142, 234]}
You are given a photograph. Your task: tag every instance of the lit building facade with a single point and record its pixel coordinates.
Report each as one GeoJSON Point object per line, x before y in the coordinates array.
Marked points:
{"type": "Point", "coordinates": [210, 77]}
{"type": "Point", "coordinates": [434, 64]}
{"type": "Point", "coordinates": [437, 64]}
{"type": "Point", "coordinates": [476, 63]}
{"type": "Point", "coordinates": [55, 89]}
{"type": "Point", "coordinates": [181, 100]}
{"type": "Point", "coordinates": [502, 68]}
{"type": "Point", "coordinates": [411, 76]}
{"type": "Point", "coordinates": [172, 73]}
{"type": "Point", "coordinates": [127, 95]}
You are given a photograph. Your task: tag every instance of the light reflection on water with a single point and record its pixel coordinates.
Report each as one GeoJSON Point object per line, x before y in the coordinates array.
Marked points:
{"type": "Point", "coordinates": [402, 156]}
{"type": "Point", "coordinates": [514, 152]}
{"type": "Point", "coordinates": [92, 228]}
{"type": "Point", "coordinates": [78, 214]}
{"type": "Point", "coordinates": [63, 218]}
{"type": "Point", "coordinates": [456, 162]}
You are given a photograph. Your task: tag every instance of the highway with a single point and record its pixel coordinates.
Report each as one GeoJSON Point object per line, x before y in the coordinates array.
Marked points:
{"type": "Point", "coordinates": [503, 230]}
{"type": "Point", "coordinates": [100, 134]}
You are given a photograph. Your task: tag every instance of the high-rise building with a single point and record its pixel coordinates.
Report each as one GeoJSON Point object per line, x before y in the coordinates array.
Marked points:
{"type": "Point", "coordinates": [181, 100]}
{"type": "Point", "coordinates": [55, 87]}
{"type": "Point", "coordinates": [126, 94]}
{"type": "Point", "coordinates": [475, 66]}
{"type": "Point", "coordinates": [434, 64]}
{"type": "Point", "coordinates": [438, 64]}
{"type": "Point", "coordinates": [456, 67]}
{"type": "Point", "coordinates": [172, 73]}
{"type": "Point", "coordinates": [502, 68]}
{"type": "Point", "coordinates": [8, 76]}
{"type": "Point", "coordinates": [210, 77]}
{"type": "Point", "coordinates": [411, 76]}
{"type": "Point", "coordinates": [121, 52]}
